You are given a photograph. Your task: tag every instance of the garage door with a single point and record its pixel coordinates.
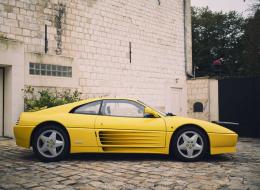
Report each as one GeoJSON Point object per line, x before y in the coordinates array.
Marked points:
{"type": "Point", "coordinates": [239, 101]}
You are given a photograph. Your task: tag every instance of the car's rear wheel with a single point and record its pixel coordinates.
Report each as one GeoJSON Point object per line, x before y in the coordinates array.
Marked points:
{"type": "Point", "coordinates": [190, 144]}
{"type": "Point", "coordinates": [51, 143]}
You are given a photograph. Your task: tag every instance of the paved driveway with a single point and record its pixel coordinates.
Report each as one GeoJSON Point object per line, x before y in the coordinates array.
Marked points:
{"type": "Point", "coordinates": [19, 169]}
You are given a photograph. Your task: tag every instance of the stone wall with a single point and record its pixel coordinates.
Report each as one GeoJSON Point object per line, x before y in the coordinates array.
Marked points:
{"type": "Point", "coordinates": [205, 91]}
{"type": "Point", "coordinates": [94, 35]}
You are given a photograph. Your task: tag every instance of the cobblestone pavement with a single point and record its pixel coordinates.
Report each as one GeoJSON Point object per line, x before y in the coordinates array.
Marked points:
{"type": "Point", "coordinates": [19, 169]}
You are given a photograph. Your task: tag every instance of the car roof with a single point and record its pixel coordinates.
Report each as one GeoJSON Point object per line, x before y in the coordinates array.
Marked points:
{"type": "Point", "coordinates": [109, 98]}
{"type": "Point", "coordinates": [88, 100]}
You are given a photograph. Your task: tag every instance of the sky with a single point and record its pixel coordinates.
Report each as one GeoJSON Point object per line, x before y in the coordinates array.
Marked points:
{"type": "Point", "coordinates": [224, 5]}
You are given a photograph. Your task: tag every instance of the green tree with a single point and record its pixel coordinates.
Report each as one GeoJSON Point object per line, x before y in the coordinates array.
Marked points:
{"type": "Point", "coordinates": [255, 6]}
{"type": "Point", "coordinates": [217, 35]}
{"type": "Point", "coordinates": [251, 53]}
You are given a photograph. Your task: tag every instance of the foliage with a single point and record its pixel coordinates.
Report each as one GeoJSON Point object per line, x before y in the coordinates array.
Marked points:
{"type": "Point", "coordinates": [217, 35]}
{"type": "Point", "coordinates": [59, 20]}
{"type": "Point", "coordinates": [38, 100]}
{"type": "Point", "coordinates": [251, 43]}
{"type": "Point", "coordinates": [255, 6]}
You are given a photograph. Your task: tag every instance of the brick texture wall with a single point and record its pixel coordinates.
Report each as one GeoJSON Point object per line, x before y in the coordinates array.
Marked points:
{"type": "Point", "coordinates": [96, 34]}
{"type": "Point", "coordinates": [205, 91]}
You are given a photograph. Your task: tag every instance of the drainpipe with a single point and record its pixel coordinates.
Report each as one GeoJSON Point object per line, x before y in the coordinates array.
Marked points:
{"type": "Point", "coordinates": [186, 7]}
{"type": "Point", "coordinates": [185, 36]}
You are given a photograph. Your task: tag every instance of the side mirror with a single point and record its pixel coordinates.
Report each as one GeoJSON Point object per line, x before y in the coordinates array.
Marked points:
{"type": "Point", "coordinates": [150, 113]}
{"type": "Point", "coordinates": [170, 114]}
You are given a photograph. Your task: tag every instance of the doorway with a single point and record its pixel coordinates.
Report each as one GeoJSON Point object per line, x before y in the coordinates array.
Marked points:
{"type": "Point", "coordinates": [174, 103]}
{"type": "Point", "coordinates": [12, 70]}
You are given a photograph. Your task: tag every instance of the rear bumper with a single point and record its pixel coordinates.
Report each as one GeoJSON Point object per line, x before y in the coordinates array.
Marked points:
{"type": "Point", "coordinates": [222, 143]}
{"type": "Point", "coordinates": [23, 135]}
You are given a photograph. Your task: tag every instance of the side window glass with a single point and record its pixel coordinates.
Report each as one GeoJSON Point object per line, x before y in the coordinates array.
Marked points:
{"type": "Point", "coordinates": [122, 108]}
{"type": "Point", "coordinates": [90, 108]}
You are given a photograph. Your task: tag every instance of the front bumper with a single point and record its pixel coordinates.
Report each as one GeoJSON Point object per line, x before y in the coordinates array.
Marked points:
{"type": "Point", "coordinates": [23, 135]}
{"type": "Point", "coordinates": [221, 143]}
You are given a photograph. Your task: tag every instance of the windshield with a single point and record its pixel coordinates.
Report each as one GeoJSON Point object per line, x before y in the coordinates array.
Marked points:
{"type": "Point", "coordinates": [162, 113]}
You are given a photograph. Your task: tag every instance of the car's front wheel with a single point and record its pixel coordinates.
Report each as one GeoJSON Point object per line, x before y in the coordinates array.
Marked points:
{"type": "Point", "coordinates": [190, 144]}
{"type": "Point", "coordinates": [50, 143]}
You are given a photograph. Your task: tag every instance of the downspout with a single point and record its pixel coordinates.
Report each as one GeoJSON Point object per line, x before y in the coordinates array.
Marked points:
{"type": "Point", "coordinates": [185, 9]}
{"type": "Point", "coordinates": [185, 35]}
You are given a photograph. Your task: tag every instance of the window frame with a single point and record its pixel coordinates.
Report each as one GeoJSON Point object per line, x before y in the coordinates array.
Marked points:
{"type": "Point", "coordinates": [118, 115]}
{"type": "Point", "coordinates": [50, 70]}
{"type": "Point", "coordinates": [75, 108]}
{"type": "Point", "coordinates": [101, 104]}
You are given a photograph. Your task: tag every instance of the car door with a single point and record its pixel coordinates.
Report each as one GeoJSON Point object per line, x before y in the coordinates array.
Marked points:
{"type": "Point", "coordinates": [80, 124]}
{"type": "Point", "coordinates": [121, 127]}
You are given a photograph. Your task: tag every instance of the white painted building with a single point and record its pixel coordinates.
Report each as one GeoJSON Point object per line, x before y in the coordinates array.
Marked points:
{"type": "Point", "coordinates": [119, 48]}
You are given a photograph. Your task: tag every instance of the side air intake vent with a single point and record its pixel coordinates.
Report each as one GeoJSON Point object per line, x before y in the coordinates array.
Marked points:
{"type": "Point", "coordinates": [130, 139]}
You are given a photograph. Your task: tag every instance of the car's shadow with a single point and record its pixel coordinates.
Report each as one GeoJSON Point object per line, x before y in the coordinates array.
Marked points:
{"type": "Point", "coordinates": [118, 157]}
{"type": "Point", "coordinates": [139, 157]}
{"type": "Point", "coordinates": [92, 157]}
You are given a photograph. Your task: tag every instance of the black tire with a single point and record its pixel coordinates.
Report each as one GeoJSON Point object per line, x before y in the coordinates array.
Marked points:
{"type": "Point", "coordinates": [61, 133]}
{"type": "Point", "coordinates": [178, 154]}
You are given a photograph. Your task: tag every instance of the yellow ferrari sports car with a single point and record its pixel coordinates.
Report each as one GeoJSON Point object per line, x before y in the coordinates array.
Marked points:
{"type": "Point", "coordinates": [112, 125]}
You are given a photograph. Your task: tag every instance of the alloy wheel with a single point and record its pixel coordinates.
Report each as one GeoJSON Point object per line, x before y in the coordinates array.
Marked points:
{"type": "Point", "coordinates": [50, 143]}
{"type": "Point", "coordinates": [190, 144]}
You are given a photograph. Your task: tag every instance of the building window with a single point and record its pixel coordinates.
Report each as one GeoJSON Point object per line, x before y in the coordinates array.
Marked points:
{"type": "Point", "coordinates": [197, 107]}
{"type": "Point", "coordinates": [50, 70]}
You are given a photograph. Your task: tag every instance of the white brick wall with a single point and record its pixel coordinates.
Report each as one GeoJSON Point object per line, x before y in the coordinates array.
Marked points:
{"type": "Point", "coordinates": [205, 91]}
{"type": "Point", "coordinates": [96, 34]}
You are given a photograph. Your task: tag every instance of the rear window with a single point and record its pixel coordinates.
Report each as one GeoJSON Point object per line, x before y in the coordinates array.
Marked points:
{"type": "Point", "coordinates": [89, 108]}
